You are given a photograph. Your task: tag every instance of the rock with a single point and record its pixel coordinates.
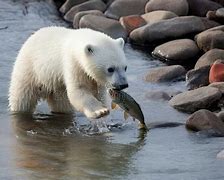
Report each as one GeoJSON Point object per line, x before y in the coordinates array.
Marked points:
{"type": "Point", "coordinates": [209, 58]}
{"type": "Point", "coordinates": [110, 27]}
{"type": "Point", "coordinates": [156, 16]}
{"type": "Point", "coordinates": [211, 15]}
{"type": "Point", "coordinates": [221, 115]}
{"type": "Point", "coordinates": [121, 8]}
{"type": "Point", "coordinates": [219, 85]}
{"type": "Point", "coordinates": [158, 95]}
{"type": "Point", "coordinates": [166, 73]}
{"type": "Point", "coordinates": [196, 78]}
{"type": "Point", "coordinates": [220, 155]}
{"type": "Point", "coordinates": [79, 15]}
{"type": "Point", "coordinates": [205, 120]}
{"type": "Point", "coordinates": [179, 7]}
{"type": "Point", "coordinates": [169, 29]}
{"type": "Point", "coordinates": [132, 22]}
{"type": "Point", "coordinates": [216, 73]}
{"type": "Point", "coordinates": [191, 101]}
{"type": "Point", "coordinates": [177, 51]}
{"type": "Point", "coordinates": [220, 12]}
{"type": "Point", "coordinates": [89, 5]}
{"type": "Point", "coordinates": [201, 7]}
{"type": "Point", "coordinates": [211, 39]}
{"type": "Point", "coordinates": [69, 4]}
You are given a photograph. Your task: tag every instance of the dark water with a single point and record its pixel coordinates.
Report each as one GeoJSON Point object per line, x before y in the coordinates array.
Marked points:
{"type": "Point", "coordinates": [63, 147]}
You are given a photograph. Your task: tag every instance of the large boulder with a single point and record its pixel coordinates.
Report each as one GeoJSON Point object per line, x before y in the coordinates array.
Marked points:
{"type": "Point", "coordinates": [170, 29]}
{"type": "Point", "coordinates": [209, 58]}
{"type": "Point", "coordinates": [201, 7]}
{"type": "Point", "coordinates": [166, 73]}
{"type": "Point", "coordinates": [156, 16]}
{"type": "Point", "coordinates": [132, 22]}
{"type": "Point", "coordinates": [180, 51]}
{"type": "Point", "coordinates": [179, 7]}
{"type": "Point", "coordinates": [211, 39]}
{"type": "Point", "coordinates": [196, 78]}
{"type": "Point", "coordinates": [110, 27]}
{"type": "Point", "coordinates": [69, 4]}
{"type": "Point", "coordinates": [89, 5]}
{"type": "Point", "coordinates": [191, 101]}
{"type": "Point", "coordinates": [121, 8]}
{"type": "Point", "coordinates": [203, 120]}
{"type": "Point", "coordinates": [216, 73]}
{"type": "Point", "coordinates": [79, 15]}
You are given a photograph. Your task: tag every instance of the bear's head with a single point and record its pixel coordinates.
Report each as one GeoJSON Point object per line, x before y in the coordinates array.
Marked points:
{"type": "Point", "coordinates": [104, 60]}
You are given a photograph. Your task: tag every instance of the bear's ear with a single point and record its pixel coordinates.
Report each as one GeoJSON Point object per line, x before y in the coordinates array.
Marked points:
{"type": "Point", "coordinates": [120, 41]}
{"type": "Point", "coordinates": [89, 49]}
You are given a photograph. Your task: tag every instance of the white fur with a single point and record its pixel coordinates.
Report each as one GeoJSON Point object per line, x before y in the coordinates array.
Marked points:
{"type": "Point", "coordinates": [55, 64]}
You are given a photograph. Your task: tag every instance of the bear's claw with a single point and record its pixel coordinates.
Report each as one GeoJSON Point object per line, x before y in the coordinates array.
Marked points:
{"type": "Point", "coordinates": [98, 113]}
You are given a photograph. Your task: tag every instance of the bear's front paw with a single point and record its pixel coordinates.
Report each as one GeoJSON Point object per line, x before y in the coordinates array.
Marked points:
{"type": "Point", "coordinates": [98, 113]}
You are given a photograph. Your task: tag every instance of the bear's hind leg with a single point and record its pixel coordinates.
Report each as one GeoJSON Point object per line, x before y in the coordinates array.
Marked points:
{"type": "Point", "coordinates": [59, 104]}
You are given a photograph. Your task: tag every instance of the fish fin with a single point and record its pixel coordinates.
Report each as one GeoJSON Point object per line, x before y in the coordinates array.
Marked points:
{"type": "Point", "coordinates": [143, 126]}
{"type": "Point", "coordinates": [114, 105]}
{"type": "Point", "coordinates": [126, 115]}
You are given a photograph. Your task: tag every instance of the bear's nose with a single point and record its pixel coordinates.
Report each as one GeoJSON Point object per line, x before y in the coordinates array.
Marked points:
{"type": "Point", "coordinates": [123, 86]}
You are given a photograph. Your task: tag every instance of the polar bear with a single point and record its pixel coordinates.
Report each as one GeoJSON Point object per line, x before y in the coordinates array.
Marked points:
{"type": "Point", "coordinates": [68, 68]}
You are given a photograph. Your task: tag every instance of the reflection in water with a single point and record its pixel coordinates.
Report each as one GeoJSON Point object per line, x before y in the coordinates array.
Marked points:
{"type": "Point", "coordinates": [46, 149]}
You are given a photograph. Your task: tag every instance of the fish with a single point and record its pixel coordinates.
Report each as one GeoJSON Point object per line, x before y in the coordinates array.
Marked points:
{"type": "Point", "coordinates": [128, 104]}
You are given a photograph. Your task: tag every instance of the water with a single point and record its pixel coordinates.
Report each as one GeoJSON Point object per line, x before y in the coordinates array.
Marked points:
{"type": "Point", "coordinates": [64, 147]}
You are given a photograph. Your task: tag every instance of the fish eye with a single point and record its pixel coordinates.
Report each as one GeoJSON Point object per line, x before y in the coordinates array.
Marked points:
{"type": "Point", "coordinates": [110, 69]}
{"type": "Point", "coordinates": [125, 68]}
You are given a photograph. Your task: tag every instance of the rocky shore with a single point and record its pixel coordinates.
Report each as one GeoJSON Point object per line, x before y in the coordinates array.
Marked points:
{"type": "Point", "coordinates": [186, 34]}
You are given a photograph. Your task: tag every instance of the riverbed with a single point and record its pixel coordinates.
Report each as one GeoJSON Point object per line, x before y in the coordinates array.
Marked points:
{"type": "Point", "coordinates": [46, 146]}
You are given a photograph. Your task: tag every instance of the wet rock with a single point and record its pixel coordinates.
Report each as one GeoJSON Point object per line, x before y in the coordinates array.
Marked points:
{"type": "Point", "coordinates": [211, 39]}
{"type": "Point", "coordinates": [121, 8]}
{"type": "Point", "coordinates": [156, 16]}
{"type": "Point", "coordinates": [158, 95]}
{"type": "Point", "coordinates": [132, 22]}
{"type": "Point", "coordinates": [209, 58]}
{"type": "Point", "coordinates": [205, 120]}
{"type": "Point", "coordinates": [89, 5]}
{"type": "Point", "coordinates": [216, 73]}
{"type": "Point", "coordinates": [219, 85]}
{"type": "Point", "coordinates": [179, 7]}
{"type": "Point", "coordinates": [220, 155]}
{"type": "Point", "coordinates": [177, 51]}
{"type": "Point", "coordinates": [169, 29]}
{"type": "Point", "coordinates": [196, 78]}
{"type": "Point", "coordinates": [201, 7]}
{"type": "Point", "coordinates": [166, 73]}
{"type": "Point", "coordinates": [79, 15]}
{"type": "Point", "coordinates": [69, 4]}
{"type": "Point", "coordinates": [221, 116]}
{"type": "Point", "coordinates": [191, 101]}
{"type": "Point", "coordinates": [110, 27]}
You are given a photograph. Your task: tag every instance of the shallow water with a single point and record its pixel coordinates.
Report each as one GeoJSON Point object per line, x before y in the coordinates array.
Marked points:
{"type": "Point", "coordinates": [62, 147]}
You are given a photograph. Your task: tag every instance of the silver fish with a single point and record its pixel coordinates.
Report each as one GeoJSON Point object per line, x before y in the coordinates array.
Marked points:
{"type": "Point", "coordinates": [128, 104]}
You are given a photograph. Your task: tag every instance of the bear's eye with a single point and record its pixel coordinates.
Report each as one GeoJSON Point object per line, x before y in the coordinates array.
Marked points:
{"type": "Point", "coordinates": [125, 68]}
{"type": "Point", "coordinates": [110, 70]}
{"type": "Point", "coordinates": [90, 50]}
